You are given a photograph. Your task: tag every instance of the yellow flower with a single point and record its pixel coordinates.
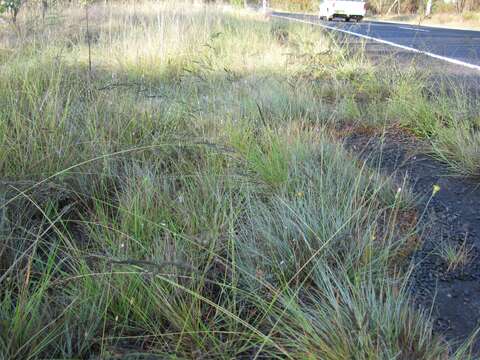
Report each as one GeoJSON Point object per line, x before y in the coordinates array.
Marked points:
{"type": "Point", "coordinates": [300, 194]}
{"type": "Point", "coordinates": [436, 189]}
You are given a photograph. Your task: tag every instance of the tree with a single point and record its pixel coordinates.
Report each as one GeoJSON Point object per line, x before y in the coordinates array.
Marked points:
{"type": "Point", "coordinates": [428, 8]}
{"type": "Point", "coordinates": [12, 7]}
{"type": "Point", "coordinates": [460, 5]}
{"type": "Point", "coordinates": [44, 8]}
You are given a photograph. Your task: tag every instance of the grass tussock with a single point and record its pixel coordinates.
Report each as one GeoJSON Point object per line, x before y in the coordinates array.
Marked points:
{"type": "Point", "coordinates": [185, 199]}
{"type": "Point", "coordinates": [455, 256]}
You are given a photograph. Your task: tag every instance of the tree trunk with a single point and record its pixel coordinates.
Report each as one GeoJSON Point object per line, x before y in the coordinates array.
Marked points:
{"type": "Point", "coordinates": [460, 6]}
{"type": "Point", "coordinates": [15, 14]}
{"type": "Point", "coordinates": [44, 8]}
{"type": "Point", "coordinates": [428, 9]}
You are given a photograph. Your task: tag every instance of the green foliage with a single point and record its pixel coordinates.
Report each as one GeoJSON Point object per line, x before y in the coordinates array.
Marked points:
{"type": "Point", "coordinates": [295, 5]}
{"type": "Point", "coordinates": [9, 5]}
{"type": "Point", "coordinates": [237, 3]}
{"type": "Point", "coordinates": [12, 7]}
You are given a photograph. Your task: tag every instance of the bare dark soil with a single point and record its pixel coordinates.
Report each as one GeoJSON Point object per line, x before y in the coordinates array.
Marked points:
{"type": "Point", "coordinates": [452, 215]}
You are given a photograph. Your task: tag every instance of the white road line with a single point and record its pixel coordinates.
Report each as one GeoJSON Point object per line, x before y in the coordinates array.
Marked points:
{"type": "Point", "coordinates": [403, 47]}
{"type": "Point", "coordinates": [414, 29]}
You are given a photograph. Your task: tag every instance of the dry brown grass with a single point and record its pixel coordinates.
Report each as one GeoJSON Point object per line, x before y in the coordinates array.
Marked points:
{"type": "Point", "coordinates": [467, 20]}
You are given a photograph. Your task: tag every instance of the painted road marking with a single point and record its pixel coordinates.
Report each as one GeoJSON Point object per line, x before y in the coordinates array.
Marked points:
{"type": "Point", "coordinates": [414, 29]}
{"type": "Point", "coordinates": [386, 42]}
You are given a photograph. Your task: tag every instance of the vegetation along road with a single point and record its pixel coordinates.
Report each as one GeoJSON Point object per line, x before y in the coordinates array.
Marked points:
{"type": "Point", "coordinates": [461, 47]}
{"type": "Point", "coordinates": [456, 307]}
{"type": "Point", "coordinates": [456, 209]}
{"type": "Point", "coordinates": [189, 180]}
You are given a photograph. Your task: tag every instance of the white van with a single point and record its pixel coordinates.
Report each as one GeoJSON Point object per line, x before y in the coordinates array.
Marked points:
{"type": "Point", "coordinates": [350, 9]}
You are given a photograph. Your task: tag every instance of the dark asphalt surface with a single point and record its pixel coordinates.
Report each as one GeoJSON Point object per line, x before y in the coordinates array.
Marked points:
{"type": "Point", "coordinates": [462, 45]}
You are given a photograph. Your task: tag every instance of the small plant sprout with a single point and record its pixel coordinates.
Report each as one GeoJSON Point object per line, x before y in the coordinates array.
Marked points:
{"type": "Point", "coordinates": [454, 255]}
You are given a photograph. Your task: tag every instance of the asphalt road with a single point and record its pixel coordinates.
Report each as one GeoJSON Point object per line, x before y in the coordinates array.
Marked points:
{"type": "Point", "coordinates": [462, 47]}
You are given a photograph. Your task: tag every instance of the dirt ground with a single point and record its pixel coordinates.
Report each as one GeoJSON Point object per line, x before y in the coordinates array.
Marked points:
{"type": "Point", "coordinates": [451, 216]}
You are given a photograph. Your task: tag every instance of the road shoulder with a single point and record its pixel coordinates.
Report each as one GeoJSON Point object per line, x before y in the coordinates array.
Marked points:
{"type": "Point", "coordinates": [420, 24]}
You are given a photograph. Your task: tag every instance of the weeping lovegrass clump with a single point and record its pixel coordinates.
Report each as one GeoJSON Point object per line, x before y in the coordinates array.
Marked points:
{"type": "Point", "coordinates": [186, 198]}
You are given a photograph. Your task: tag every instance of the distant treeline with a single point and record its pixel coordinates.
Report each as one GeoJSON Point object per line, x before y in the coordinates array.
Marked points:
{"type": "Point", "coordinates": [383, 6]}
{"type": "Point", "coordinates": [11, 8]}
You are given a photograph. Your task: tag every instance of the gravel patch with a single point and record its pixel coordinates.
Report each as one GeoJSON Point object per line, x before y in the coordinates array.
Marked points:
{"type": "Point", "coordinates": [452, 217]}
